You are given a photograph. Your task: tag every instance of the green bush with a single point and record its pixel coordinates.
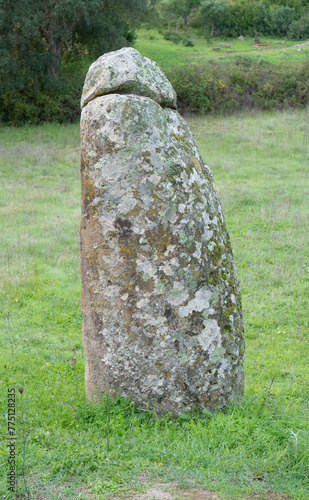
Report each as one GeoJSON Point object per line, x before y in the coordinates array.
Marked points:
{"type": "Point", "coordinates": [172, 37]}
{"type": "Point", "coordinates": [58, 103]}
{"type": "Point", "coordinates": [187, 41]}
{"type": "Point", "coordinates": [176, 38]}
{"type": "Point", "coordinates": [230, 18]}
{"type": "Point", "coordinates": [242, 84]}
{"type": "Point", "coordinates": [243, 18]}
{"type": "Point", "coordinates": [281, 18]}
{"type": "Point", "coordinates": [299, 30]}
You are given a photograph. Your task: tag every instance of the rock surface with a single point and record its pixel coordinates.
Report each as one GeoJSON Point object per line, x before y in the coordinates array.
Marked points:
{"type": "Point", "coordinates": [162, 321]}
{"type": "Point", "coordinates": [126, 71]}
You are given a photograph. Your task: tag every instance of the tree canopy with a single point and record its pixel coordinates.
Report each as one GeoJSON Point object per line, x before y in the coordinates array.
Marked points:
{"type": "Point", "coordinates": [37, 37]}
{"type": "Point", "coordinates": [170, 9]}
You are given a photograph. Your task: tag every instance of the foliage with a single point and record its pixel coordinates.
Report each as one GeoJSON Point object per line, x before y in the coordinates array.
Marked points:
{"type": "Point", "coordinates": [36, 38]}
{"type": "Point", "coordinates": [298, 5]}
{"type": "Point", "coordinates": [178, 39]}
{"type": "Point", "coordinates": [231, 18]}
{"type": "Point", "coordinates": [299, 30]}
{"type": "Point", "coordinates": [210, 15]}
{"type": "Point", "coordinates": [39, 41]}
{"type": "Point", "coordinates": [243, 18]}
{"type": "Point", "coordinates": [151, 17]}
{"type": "Point", "coordinates": [241, 84]}
{"type": "Point", "coordinates": [177, 9]}
{"type": "Point", "coordinates": [77, 450]}
{"type": "Point", "coordinates": [60, 104]}
{"type": "Point", "coordinates": [281, 17]}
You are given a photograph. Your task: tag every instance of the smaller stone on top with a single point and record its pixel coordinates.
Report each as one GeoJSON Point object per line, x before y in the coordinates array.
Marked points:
{"type": "Point", "coordinates": [126, 71]}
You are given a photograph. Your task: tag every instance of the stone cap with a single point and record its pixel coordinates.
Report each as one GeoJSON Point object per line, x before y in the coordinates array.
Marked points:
{"type": "Point", "coordinates": [126, 71]}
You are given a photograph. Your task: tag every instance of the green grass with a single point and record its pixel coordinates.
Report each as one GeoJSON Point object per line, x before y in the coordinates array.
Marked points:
{"type": "Point", "coordinates": [73, 450]}
{"type": "Point", "coordinates": [151, 44]}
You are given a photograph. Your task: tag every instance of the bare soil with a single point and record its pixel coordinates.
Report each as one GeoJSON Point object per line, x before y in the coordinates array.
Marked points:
{"type": "Point", "coordinates": [170, 492]}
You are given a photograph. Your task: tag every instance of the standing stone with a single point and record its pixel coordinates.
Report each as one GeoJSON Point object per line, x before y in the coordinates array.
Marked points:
{"type": "Point", "coordinates": [162, 321]}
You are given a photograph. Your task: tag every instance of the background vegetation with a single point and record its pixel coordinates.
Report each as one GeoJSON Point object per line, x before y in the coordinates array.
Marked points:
{"type": "Point", "coordinates": [241, 84]}
{"type": "Point", "coordinates": [74, 450]}
{"type": "Point", "coordinates": [232, 18]}
{"type": "Point", "coordinates": [46, 48]}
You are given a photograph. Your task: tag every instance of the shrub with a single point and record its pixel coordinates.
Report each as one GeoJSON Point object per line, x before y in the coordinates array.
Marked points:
{"type": "Point", "coordinates": [281, 18]}
{"type": "Point", "coordinates": [243, 18]}
{"type": "Point", "coordinates": [172, 37]}
{"type": "Point", "coordinates": [187, 41]}
{"type": "Point", "coordinates": [242, 84]}
{"type": "Point", "coordinates": [299, 30]}
{"type": "Point", "coordinates": [176, 38]}
{"type": "Point", "coordinates": [230, 18]}
{"type": "Point", "coordinates": [59, 103]}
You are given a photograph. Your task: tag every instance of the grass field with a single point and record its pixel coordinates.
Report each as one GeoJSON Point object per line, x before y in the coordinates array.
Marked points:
{"type": "Point", "coordinates": [73, 450]}
{"type": "Point", "coordinates": [151, 44]}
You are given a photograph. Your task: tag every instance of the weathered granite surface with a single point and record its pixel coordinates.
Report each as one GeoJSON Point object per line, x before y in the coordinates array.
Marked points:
{"type": "Point", "coordinates": [162, 320]}
{"type": "Point", "coordinates": [127, 72]}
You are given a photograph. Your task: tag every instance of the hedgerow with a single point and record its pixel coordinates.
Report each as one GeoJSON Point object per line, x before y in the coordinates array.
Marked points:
{"type": "Point", "coordinates": [240, 84]}
{"type": "Point", "coordinates": [58, 103]}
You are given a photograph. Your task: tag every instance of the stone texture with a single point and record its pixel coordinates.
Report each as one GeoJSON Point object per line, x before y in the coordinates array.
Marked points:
{"type": "Point", "coordinates": [162, 321]}
{"type": "Point", "coordinates": [127, 72]}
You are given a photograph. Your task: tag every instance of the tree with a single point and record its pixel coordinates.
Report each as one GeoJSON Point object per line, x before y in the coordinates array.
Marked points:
{"type": "Point", "coordinates": [37, 37]}
{"type": "Point", "coordinates": [281, 18]}
{"type": "Point", "coordinates": [212, 13]}
{"type": "Point", "coordinates": [166, 11]}
{"type": "Point", "coordinates": [170, 9]}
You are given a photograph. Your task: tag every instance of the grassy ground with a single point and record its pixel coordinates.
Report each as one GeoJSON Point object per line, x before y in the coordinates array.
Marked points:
{"type": "Point", "coordinates": [73, 450]}
{"type": "Point", "coordinates": [151, 44]}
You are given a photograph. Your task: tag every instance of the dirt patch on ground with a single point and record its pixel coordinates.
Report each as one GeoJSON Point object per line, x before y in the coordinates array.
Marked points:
{"type": "Point", "coordinates": [269, 496]}
{"type": "Point", "coordinates": [161, 493]}
{"type": "Point", "coordinates": [170, 492]}
{"type": "Point", "coordinates": [153, 492]}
